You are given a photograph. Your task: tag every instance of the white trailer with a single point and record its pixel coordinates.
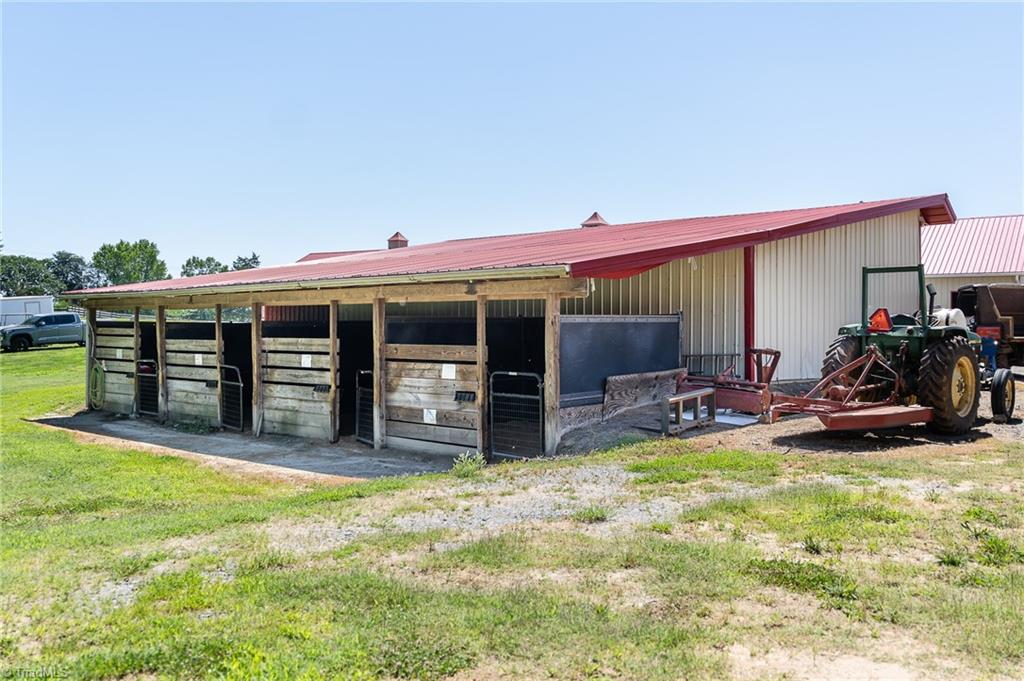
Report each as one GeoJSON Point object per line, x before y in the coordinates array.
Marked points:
{"type": "Point", "coordinates": [16, 309]}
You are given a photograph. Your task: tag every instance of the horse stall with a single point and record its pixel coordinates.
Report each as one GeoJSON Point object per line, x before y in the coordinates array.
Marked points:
{"type": "Point", "coordinates": [298, 378]}
{"type": "Point", "coordinates": [191, 365]}
{"type": "Point", "coordinates": [113, 353]}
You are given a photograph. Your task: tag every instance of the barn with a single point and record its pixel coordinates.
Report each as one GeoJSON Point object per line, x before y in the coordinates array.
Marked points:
{"type": "Point", "coordinates": [496, 343]}
{"type": "Point", "coordinates": [982, 250]}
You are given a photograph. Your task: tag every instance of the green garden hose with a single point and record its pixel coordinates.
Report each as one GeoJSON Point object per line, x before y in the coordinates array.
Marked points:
{"type": "Point", "coordinates": [97, 387]}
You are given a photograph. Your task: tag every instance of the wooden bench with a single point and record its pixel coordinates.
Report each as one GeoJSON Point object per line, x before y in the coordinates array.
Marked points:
{"type": "Point", "coordinates": [676, 405]}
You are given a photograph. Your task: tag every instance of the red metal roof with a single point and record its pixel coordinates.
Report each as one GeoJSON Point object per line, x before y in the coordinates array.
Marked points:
{"type": "Point", "coordinates": [611, 251]}
{"type": "Point", "coordinates": [992, 245]}
{"type": "Point", "coordinates": [320, 255]}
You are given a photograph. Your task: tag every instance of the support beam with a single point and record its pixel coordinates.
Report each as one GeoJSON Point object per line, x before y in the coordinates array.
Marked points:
{"type": "Point", "coordinates": [90, 354]}
{"type": "Point", "coordinates": [379, 378]}
{"type": "Point", "coordinates": [218, 335]}
{"type": "Point", "coordinates": [552, 365]}
{"type": "Point", "coordinates": [332, 323]}
{"type": "Point", "coordinates": [523, 289]}
{"type": "Point", "coordinates": [481, 374]}
{"type": "Point", "coordinates": [136, 356]}
{"type": "Point", "coordinates": [257, 368]}
{"type": "Point", "coordinates": [161, 362]}
{"type": "Point", "coordinates": [748, 312]}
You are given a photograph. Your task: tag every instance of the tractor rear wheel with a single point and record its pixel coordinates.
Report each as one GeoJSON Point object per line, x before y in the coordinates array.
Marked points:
{"type": "Point", "coordinates": [947, 381]}
{"type": "Point", "coordinates": [841, 352]}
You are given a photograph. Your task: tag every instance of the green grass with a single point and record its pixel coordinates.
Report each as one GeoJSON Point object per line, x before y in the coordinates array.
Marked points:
{"type": "Point", "coordinates": [203, 591]}
{"type": "Point", "coordinates": [689, 466]}
{"type": "Point", "coordinates": [591, 514]}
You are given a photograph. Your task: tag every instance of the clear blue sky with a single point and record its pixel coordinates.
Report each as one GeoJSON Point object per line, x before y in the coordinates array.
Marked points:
{"type": "Point", "coordinates": [225, 128]}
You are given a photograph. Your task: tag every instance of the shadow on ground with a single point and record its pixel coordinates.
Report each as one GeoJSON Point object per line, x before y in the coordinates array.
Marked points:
{"type": "Point", "coordinates": [291, 457]}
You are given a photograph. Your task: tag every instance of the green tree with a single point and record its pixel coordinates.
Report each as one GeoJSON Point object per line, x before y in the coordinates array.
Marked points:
{"type": "Point", "coordinates": [72, 272]}
{"type": "Point", "coordinates": [128, 262]}
{"type": "Point", "coordinates": [195, 266]}
{"type": "Point", "coordinates": [21, 275]}
{"type": "Point", "coordinates": [246, 262]}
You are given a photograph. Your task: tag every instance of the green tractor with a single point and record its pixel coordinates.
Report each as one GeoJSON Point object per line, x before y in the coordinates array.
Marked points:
{"type": "Point", "coordinates": [923, 367]}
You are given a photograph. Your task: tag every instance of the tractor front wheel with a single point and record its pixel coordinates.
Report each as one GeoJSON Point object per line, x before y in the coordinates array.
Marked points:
{"type": "Point", "coordinates": [947, 381]}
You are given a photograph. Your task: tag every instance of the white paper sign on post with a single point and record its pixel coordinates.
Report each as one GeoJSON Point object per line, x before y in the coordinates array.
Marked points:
{"type": "Point", "coordinates": [198, 359]}
{"type": "Point", "coordinates": [430, 416]}
{"type": "Point", "coordinates": [307, 361]}
{"type": "Point", "coordinates": [448, 371]}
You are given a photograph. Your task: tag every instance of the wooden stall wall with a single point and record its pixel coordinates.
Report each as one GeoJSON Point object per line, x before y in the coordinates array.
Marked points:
{"type": "Point", "coordinates": [297, 395]}
{"type": "Point", "coordinates": [192, 377]}
{"type": "Point", "coordinates": [116, 351]}
{"type": "Point", "coordinates": [427, 397]}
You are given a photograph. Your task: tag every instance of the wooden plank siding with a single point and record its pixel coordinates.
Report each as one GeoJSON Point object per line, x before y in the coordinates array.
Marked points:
{"type": "Point", "coordinates": [114, 348]}
{"type": "Point", "coordinates": [420, 383]}
{"type": "Point", "coordinates": [193, 380]}
{"type": "Point", "coordinates": [299, 394]}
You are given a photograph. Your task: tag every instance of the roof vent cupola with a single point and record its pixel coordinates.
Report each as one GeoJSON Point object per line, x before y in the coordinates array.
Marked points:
{"type": "Point", "coordinates": [397, 240]}
{"type": "Point", "coordinates": [594, 220]}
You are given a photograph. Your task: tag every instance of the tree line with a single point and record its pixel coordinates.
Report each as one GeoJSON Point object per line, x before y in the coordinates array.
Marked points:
{"type": "Point", "coordinates": [125, 262]}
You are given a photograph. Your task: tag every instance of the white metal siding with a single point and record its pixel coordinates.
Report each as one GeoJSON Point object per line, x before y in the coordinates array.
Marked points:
{"type": "Point", "coordinates": [808, 286]}
{"type": "Point", "coordinates": [708, 290]}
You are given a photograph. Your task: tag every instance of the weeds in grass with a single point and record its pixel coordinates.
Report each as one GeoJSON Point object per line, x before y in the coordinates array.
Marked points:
{"type": "Point", "coordinates": [933, 496]}
{"type": "Point", "coordinates": [813, 545]}
{"type": "Point", "coordinates": [135, 563]}
{"type": "Point", "coordinates": [591, 514]}
{"type": "Point", "coordinates": [660, 527]}
{"type": "Point", "coordinates": [983, 515]}
{"type": "Point", "coordinates": [997, 551]}
{"type": "Point", "coordinates": [468, 465]}
{"type": "Point", "coordinates": [271, 559]}
{"type": "Point", "coordinates": [952, 557]}
{"type": "Point", "coordinates": [834, 589]}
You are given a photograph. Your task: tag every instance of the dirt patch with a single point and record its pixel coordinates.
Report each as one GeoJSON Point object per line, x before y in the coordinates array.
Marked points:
{"type": "Point", "coordinates": [801, 664]}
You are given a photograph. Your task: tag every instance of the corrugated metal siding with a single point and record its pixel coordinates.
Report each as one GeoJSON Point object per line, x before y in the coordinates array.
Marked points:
{"type": "Point", "coordinates": [809, 286]}
{"type": "Point", "coordinates": [946, 285]}
{"type": "Point", "coordinates": [707, 289]}
{"type": "Point", "coordinates": [973, 245]}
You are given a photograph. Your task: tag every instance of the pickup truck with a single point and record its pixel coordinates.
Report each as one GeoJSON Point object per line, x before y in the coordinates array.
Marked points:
{"type": "Point", "coordinates": [43, 329]}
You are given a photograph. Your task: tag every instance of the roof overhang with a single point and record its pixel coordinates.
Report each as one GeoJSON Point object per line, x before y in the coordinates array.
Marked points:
{"type": "Point", "coordinates": [469, 276]}
{"type": "Point", "coordinates": [934, 209]}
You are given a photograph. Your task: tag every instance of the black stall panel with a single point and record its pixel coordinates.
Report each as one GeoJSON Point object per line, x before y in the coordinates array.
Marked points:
{"type": "Point", "coordinates": [594, 347]}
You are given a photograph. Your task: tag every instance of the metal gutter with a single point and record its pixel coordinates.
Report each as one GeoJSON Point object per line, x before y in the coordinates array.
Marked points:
{"type": "Point", "coordinates": [541, 272]}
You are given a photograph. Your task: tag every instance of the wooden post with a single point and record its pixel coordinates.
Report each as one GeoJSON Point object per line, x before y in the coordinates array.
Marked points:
{"type": "Point", "coordinates": [218, 336]}
{"type": "Point", "coordinates": [379, 379]}
{"type": "Point", "coordinates": [257, 368]}
{"type": "Point", "coordinates": [90, 353]}
{"type": "Point", "coordinates": [332, 321]}
{"type": "Point", "coordinates": [161, 361]}
{"type": "Point", "coordinates": [136, 356]}
{"type": "Point", "coordinates": [552, 328]}
{"type": "Point", "coordinates": [481, 374]}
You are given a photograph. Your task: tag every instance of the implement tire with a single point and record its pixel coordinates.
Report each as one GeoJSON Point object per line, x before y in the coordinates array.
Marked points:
{"type": "Point", "coordinates": [1004, 395]}
{"type": "Point", "coordinates": [947, 381]}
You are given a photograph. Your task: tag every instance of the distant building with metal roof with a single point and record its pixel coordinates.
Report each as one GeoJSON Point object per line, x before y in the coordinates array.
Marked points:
{"type": "Point", "coordinates": [979, 250]}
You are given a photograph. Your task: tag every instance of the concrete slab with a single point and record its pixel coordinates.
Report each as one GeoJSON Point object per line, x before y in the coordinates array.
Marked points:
{"type": "Point", "coordinates": [290, 457]}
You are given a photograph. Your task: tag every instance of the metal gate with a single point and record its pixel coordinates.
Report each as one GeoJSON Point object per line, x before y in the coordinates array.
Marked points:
{"type": "Point", "coordinates": [231, 389]}
{"type": "Point", "coordinates": [364, 406]}
{"type": "Point", "coordinates": [516, 415]}
{"type": "Point", "coordinates": [148, 387]}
